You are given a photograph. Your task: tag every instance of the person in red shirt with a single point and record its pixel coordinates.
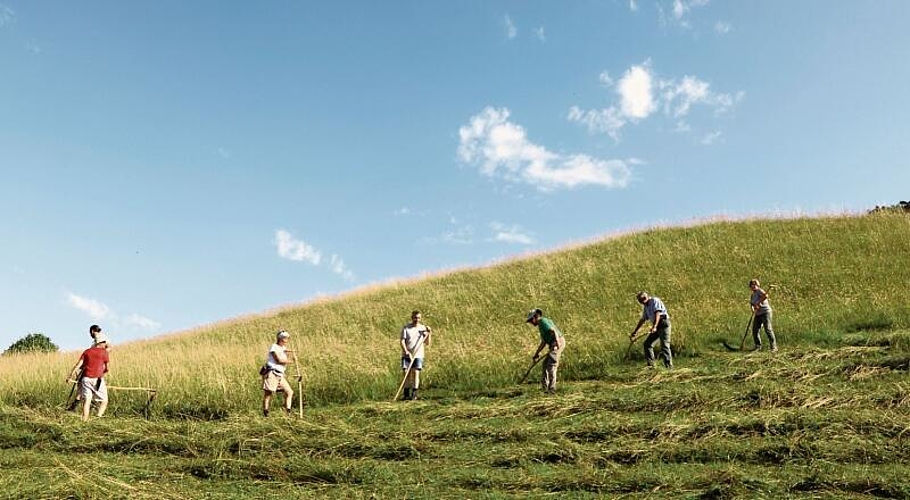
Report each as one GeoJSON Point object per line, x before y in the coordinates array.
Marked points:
{"type": "Point", "coordinates": [94, 365]}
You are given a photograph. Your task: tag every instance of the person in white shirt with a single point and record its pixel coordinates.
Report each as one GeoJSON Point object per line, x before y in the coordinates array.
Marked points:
{"type": "Point", "coordinates": [414, 336]}
{"type": "Point", "coordinates": [274, 379]}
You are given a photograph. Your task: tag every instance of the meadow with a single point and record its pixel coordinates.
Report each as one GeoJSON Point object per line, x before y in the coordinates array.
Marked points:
{"type": "Point", "coordinates": [826, 417]}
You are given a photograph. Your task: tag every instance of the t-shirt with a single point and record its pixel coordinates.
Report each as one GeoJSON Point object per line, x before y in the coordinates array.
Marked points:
{"type": "Point", "coordinates": [412, 335]}
{"type": "Point", "coordinates": [763, 307]}
{"type": "Point", "coordinates": [548, 331]}
{"type": "Point", "coordinates": [94, 362]}
{"type": "Point", "coordinates": [272, 361]}
{"type": "Point", "coordinates": [651, 307]}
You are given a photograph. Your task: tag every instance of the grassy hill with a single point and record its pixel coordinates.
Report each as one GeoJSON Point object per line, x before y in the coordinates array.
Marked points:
{"type": "Point", "coordinates": [825, 417]}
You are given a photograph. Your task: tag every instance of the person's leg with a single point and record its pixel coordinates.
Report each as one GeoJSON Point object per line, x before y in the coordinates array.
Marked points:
{"type": "Point", "coordinates": [665, 351]}
{"type": "Point", "coordinates": [769, 331]}
{"type": "Point", "coordinates": [649, 347]}
{"type": "Point", "coordinates": [551, 368]}
{"type": "Point", "coordinates": [266, 401]}
{"type": "Point", "coordinates": [101, 398]}
{"type": "Point", "coordinates": [288, 394]}
{"type": "Point", "coordinates": [756, 329]}
{"type": "Point", "coordinates": [85, 388]}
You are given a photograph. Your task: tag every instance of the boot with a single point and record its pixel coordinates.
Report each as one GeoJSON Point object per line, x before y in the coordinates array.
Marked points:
{"type": "Point", "coordinates": [413, 394]}
{"type": "Point", "coordinates": [407, 394]}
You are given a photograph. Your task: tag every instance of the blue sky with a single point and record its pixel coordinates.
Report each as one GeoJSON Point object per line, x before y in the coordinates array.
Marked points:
{"type": "Point", "coordinates": [168, 164]}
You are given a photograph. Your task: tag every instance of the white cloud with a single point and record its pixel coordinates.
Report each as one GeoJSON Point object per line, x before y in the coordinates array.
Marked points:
{"type": "Point", "coordinates": [635, 91]}
{"type": "Point", "coordinates": [640, 93]}
{"type": "Point", "coordinates": [722, 27]}
{"type": "Point", "coordinates": [291, 248]}
{"type": "Point", "coordinates": [7, 16]}
{"type": "Point", "coordinates": [541, 35]}
{"type": "Point", "coordinates": [680, 11]}
{"type": "Point", "coordinates": [605, 79]}
{"type": "Point", "coordinates": [224, 153]}
{"type": "Point", "coordinates": [403, 211]}
{"type": "Point", "coordinates": [93, 308]}
{"type": "Point", "coordinates": [338, 267]}
{"type": "Point", "coordinates": [511, 29]}
{"type": "Point", "coordinates": [510, 234]}
{"type": "Point", "coordinates": [608, 121]}
{"type": "Point", "coordinates": [501, 149]}
{"type": "Point", "coordinates": [711, 137]}
{"type": "Point", "coordinates": [633, 5]}
{"type": "Point", "coordinates": [142, 322]}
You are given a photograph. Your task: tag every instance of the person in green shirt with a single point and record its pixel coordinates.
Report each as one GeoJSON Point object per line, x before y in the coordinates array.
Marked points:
{"type": "Point", "coordinates": [549, 336]}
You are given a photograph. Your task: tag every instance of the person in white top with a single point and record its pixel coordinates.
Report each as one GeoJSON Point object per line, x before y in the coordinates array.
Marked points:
{"type": "Point", "coordinates": [274, 379]}
{"type": "Point", "coordinates": [414, 336]}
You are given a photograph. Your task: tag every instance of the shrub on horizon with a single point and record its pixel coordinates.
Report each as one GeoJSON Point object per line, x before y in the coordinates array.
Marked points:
{"type": "Point", "coordinates": [33, 342]}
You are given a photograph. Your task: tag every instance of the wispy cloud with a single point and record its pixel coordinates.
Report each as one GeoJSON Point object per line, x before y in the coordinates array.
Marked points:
{"type": "Point", "coordinates": [99, 311]}
{"type": "Point", "coordinates": [294, 249]}
{"type": "Point", "coordinates": [224, 153]}
{"type": "Point", "coordinates": [510, 234]}
{"type": "Point", "coordinates": [681, 8]}
{"type": "Point", "coordinates": [633, 5]}
{"type": "Point", "coordinates": [511, 29]}
{"type": "Point", "coordinates": [33, 47]}
{"type": "Point", "coordinates": [291, 248]}
{"type": "Point", "coordinates": [711, 137]}
{"type": "Point", "coordinates": [640, 93]}
{"type": "Point", "coordinates": [7, 16]}
{"type": "Point", "coordinates": [94, 309]}
{"type": "Point", "coordinates": [723, 27]}
{"type": "Point", "coordinates": [338, 267]}
{"type": "Point", "coordinates": [501, 149]}
{"type": "Point", "coordinates": [540, 34]}
{"type": "Point", "coordinates": [142, 322]}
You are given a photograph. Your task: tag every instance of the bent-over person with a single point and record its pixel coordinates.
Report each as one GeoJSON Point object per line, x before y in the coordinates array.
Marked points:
{"type": "Point", "coordinates": [654, 310]}
{"type": "Point", "coordinates": [551, 337]}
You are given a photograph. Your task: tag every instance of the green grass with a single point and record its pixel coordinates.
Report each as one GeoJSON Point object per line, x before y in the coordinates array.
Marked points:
{"type": "Point", "coordinates": [827, 417]}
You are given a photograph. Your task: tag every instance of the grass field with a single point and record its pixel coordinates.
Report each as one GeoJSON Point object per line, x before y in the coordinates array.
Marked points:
{"type": "Point", "coordinates": [827, 417]}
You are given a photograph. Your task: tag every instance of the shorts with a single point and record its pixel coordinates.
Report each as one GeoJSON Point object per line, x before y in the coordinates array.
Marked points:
{"type": "Point", "coordinates": [90, 388]}
{"type": "Point", "coordinates": [406, 360]}
{"type": "Point", "coordinates": [274, 382]}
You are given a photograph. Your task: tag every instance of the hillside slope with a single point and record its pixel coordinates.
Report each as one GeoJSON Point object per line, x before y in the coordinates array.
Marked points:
{"type": "Point", "coordinates": [831, 276]}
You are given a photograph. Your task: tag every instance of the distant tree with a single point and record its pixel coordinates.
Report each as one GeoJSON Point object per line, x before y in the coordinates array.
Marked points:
{"type": "Point", "coordinates": [903, 206]}
{"type": "Point", "coordinates": [33, 342]}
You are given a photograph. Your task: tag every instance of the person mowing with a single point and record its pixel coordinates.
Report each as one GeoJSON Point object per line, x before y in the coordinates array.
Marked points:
{"type": "Point", "coordinates": [274, 379]}
{"type": "Point", "coordinates": [761, 311]}
{"type": "Point", "coordinates": [93, 364]}
{"type": "Point", "coordinates": [414, 336]}
{"type": "Point", "coordinates": [654, 310]}
{"type": "Point", "coordinates": [553, 338]}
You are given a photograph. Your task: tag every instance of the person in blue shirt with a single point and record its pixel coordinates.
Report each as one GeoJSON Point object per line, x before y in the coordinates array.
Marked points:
{"type": "Point", "coordinates": [654, 310]}
{"type": "Point", "coordinates": [549, 336]}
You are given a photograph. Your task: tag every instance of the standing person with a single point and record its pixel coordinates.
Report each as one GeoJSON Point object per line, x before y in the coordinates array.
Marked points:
{"type": "Point", "coordinates": [761, 312]}
{"type": "Point", "coordinates": [92, 332]}
{"type": "Point", "coordinates": [553, 338]}
{"type": "Point", "coordinates": [274, 379]}
{"type": "Point", "coordinates": [414, 336]}
{"type": "Point", "coordinates": [654, 310]}
{"type": "Point", "coordinates": [93, 364]}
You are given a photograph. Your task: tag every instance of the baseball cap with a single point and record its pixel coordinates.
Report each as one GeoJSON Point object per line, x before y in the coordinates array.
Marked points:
{"type": "Point", "coordinates": [532, 312]}
{"type": "Point", "coordinates": [100, 337]}
{"type": "Point", "coordinates": [283, 335]}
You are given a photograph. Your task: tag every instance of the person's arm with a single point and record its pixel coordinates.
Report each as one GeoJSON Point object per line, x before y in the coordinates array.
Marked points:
{"type": "Point", "coordinates": [655, 320]}
{"type": "Point", "coordinates": [280, 356]}
{"type": "Point", "coordinates": [640, 322]}
{"type": "Point", "coordinates": [428, 338]}
{"type": "Point", "coordinates": [404, 345]}
{"type": "Point", "coordinates": [75, 370]}
{"type": "Point", "coordinates": [539, 348]}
